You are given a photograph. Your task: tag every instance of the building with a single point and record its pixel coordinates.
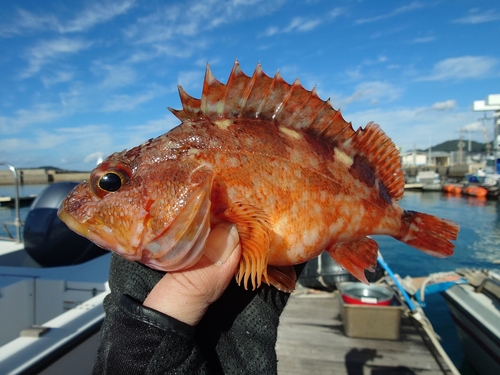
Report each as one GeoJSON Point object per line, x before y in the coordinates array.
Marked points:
{"type": "Point", "coordinates": [424, 158]}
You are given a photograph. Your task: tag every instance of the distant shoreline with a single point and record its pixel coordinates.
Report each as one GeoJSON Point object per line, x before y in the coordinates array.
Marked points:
{"type": "Point", "coordinates": [34, 176]}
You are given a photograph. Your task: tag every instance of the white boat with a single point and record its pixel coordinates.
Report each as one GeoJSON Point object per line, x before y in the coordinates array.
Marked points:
{"type": "Point", "coordinates": [52, 287]}
{"type": "Point", "coordinates": [475, 308]}
{"type": "Point", "coordinates": [473, 298]}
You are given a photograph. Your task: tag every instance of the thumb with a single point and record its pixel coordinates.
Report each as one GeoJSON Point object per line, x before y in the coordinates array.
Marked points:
{"type": "Point", "coordinates": [221, 243]}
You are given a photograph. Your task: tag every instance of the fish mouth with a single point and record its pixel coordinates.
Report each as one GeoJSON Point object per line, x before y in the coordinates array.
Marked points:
{"type": "Point", "coordinates": [72, 224]}
{"type": "Point", "coordinates": [104, 237]}
{"type": "Point", "coordinates": [182, 243]}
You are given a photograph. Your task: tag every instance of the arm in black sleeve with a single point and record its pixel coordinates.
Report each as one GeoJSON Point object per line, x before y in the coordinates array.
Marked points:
{"type": "Point", "coordinates": [237, 334]}
{"type": "Point", "coordinates": [139, 340]}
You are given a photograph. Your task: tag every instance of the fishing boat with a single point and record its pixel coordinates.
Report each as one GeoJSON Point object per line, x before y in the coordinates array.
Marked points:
{"type": "Point", "coordinates": [52, 285]}
{"type": "Point", "coordinates": [473, 299]}
{"type": "Point", "coordinates": [475, 309]}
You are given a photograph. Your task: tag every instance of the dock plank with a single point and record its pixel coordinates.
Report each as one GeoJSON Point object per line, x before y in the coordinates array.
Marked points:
{"type": "Point", "coordinates": [311, 340]}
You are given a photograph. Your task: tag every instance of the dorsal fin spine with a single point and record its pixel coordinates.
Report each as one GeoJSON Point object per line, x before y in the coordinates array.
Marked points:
{"type": "Point", "coordinates": [260, 84]}
{"type": "Point", "coordinates": [292, 106]}
{"type": "Point", "coordinates": [211, 98]}
{"type": "Point", "coordinates": [190, 106]}
{"type": "Point", "coordinates": [235, 86]}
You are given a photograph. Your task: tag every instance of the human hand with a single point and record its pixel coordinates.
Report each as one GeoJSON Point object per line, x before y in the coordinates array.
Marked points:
{"type": "Point", "coordinates": [185, 295]}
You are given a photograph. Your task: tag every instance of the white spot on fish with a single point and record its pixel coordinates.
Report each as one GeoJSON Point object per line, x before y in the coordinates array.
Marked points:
{"type": "Point", "coordinates": [232, 193]}
{"type": "Point", "coordinates": [343, 157]}
{"type": "Point", "coordinates": [310, 237]}
{"type": "Point", "coordinates": [223, 124]}
{"type": "Point", "coordinates": [290, 132]}
{"type": "Point", "coordinates": [317, 209]}
{"type": "Point", "coordinates": [313, 162]}
{"type": "Point", "coordinates": [171, 144]}
{"type": "Point", "coordinates": [336, 226]}
{"type": "Point", "coordinates": [323, 195]}
{"type": "Point", "coordinates": [295, 155]}
{"type": "Point", "coordinates": [233, 162]}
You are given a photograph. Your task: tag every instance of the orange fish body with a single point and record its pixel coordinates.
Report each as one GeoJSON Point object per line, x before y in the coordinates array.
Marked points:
{"type": "Point", "coordinates": [273, 159]}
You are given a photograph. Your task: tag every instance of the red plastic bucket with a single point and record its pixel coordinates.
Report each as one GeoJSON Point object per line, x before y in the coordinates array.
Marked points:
{"type": "Point", "coordinates": [361, 294]}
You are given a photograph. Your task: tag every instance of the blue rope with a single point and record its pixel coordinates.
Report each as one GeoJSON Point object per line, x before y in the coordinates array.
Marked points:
{"type": "Point", "coordinates": [398, 284]}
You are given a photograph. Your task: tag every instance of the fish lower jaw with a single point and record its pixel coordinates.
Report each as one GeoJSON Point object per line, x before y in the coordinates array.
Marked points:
{"type": "Point", "coordinates": [102, 236]}
{"type": "Point", "coordinates": [72, 223]}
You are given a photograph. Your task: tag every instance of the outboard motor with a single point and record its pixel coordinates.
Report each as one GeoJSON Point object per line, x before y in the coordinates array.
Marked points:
{"type": "Point", "coordinates": [324, 273]}
{"type": "Point", "coordinates": [47, 239]}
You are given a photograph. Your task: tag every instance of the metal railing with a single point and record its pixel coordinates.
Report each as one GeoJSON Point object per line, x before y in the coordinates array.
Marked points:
{"type": "Point", "coordinates": [17, 221]}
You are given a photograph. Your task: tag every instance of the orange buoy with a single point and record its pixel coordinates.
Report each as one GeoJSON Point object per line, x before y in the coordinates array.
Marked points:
{"type": "Point", "coordinates": [477, 191]}
{"type": "Point", "coordinates": [453, 188]}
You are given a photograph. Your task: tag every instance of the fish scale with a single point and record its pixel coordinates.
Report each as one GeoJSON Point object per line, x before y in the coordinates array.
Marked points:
{"type": "Point", "coordinates": [273, 159]}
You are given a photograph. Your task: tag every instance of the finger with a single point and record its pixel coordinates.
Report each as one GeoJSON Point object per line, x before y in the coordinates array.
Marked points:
{"type": "Point", "coordinates": [221, 243]}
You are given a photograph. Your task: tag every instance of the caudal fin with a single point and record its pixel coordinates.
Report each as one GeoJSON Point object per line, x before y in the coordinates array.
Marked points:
{"type": "Point", "coordinates": [429, 233]}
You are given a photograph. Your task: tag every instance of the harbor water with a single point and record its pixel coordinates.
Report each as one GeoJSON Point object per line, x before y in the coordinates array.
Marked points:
{"type": "Point", "coordinates": [477, 247]}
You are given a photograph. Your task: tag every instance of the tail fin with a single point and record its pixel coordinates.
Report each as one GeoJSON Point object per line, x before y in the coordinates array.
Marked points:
{"type": "Point", "coordinates": [429, 233]}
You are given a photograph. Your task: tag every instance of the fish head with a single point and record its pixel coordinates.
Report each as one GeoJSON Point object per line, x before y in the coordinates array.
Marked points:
{"type": "Point", "coordinates": [154, 213]}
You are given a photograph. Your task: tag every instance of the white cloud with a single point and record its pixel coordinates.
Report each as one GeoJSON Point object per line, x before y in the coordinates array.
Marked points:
{"type": "Point", "coordinates": [58, 77]}
{"type": "Point", "coordinates": [270, 31]}
{"type": "Point", "coordinates": [93, 157]}
{"type": "Point", "coordinates": [125, 102]}
{"type": "Point", "coordinates": [444, 106]}
{"type": "Point", "coordinates": [302, 24]}
{"type": "Point", "coordinates": [173, 22]}
{"type": "Point", "coordinates": [406, 8]}
{"type": "Point", "coordinates": [189, 79]}
{"type": "Point", "coordinates": [27, 22]}
{"type": "Point", "coordinates": [372, 92]}
{"type": "Point", "coordinates": [418, 127]}
{"type": "Point", "coordinates": [473, 126]}
{"type": "Point", "coordinates": [50, 50]}
{"type": "Point", "coordinates": [462, 68]}
{"type": "Point", "coordinates": [114, 75]}
{"type": "Point", "coordinates": [475, 17]}
{"type": "Point", "coordinates": [155, 126]}
{"type": "Point", "coordinates": [425, 39]}
{"type": "Point", "coordinates": [336, 12]}
{"type": "Point", "coordinates": [94, 14]}
{"type": "Point", "coordinates": [39, 114]}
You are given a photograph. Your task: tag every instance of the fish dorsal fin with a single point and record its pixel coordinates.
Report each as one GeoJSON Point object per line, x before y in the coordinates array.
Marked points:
{"type": "Point", "coordinates": [371, 146]}
{"type": "Point", "coordinates": [265, 98]}
{"type": "Point", "coordinates": [291, 105]}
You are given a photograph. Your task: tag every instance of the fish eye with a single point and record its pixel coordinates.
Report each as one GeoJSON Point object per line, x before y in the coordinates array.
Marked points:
{"type": "Point", "coordinates": [109, 180]}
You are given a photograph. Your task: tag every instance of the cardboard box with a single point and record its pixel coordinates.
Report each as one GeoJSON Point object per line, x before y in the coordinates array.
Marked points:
{"type": "Point", "coordinates": [370, 321]}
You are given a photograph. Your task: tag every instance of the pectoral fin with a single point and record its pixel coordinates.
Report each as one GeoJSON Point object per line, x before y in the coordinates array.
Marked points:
{"type": "Point", "coordinates": [356, 256]}
{"type": "Point", "coordinates": [254, 228]}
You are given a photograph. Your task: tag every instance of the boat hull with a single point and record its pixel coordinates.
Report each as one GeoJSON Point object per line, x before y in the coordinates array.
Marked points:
{"type": "Point", "coordinates": [477, 318]}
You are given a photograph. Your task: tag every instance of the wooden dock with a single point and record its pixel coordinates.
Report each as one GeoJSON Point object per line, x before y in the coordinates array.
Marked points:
{"type": "Point", "coordinates": [311, 340]}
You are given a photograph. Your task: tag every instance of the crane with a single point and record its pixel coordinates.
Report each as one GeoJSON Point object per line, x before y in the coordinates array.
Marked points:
{"type": "Point", "coordinates": [488, 145]}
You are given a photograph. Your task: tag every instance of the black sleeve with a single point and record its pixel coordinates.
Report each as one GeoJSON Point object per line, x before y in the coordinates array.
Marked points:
{"type": "Point", "coordinates": [237, 334]}
{"type": "Point", "coordinates": [138, 340]}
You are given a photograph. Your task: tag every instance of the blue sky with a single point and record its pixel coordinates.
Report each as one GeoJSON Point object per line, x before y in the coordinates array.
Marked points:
{"type": "Point", "coordinates": [83, 79]}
